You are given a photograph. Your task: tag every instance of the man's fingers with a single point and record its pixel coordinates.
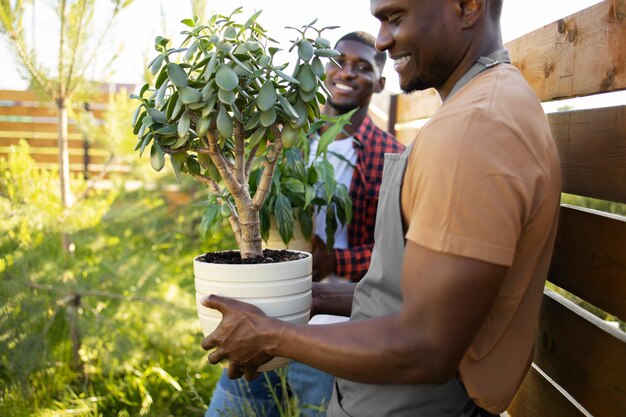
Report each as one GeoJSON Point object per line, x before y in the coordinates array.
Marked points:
{"type": "Point", "coordinates": [235, 370]}
{"type": "Point", "coordinates": [250, 374]}
{"type": "Point", "coordinates": [216, 302]}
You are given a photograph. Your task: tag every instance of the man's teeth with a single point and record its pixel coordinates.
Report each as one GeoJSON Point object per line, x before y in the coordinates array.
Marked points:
{"type": "Point", "coordinates": [402, 60]}
{"type": "Point", "coordinates": [343, 87]}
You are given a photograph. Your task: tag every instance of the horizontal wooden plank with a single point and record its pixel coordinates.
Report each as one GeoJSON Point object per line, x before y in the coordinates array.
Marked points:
{"type": "Point", "coordinates": [54, 158]}
{"type": "Point", "coordinates": [42, 143]}
{"type": "Point", "coordinates": [418, 105]}
{"type": "Point", "coordinates": [579, 55]}
{"type": "Point", "coordinates": [589, 258]}
{"type": "Point", "coordinates": [592, 147]}
{"type": "Point", "coordinates": [94, 169]}
{"type": "Point", "coordinates": [29, 96]}
{"type": "Point", "coordinates": [39, 111]}
{"type": "Point", "coordinates": [582, 354]}
{"type": "Point", "coordinates": [539, 396]}
{"type": "Point", "coordinates": [38, 135]}
{"type": "Point", "coordinates": [35, 127]}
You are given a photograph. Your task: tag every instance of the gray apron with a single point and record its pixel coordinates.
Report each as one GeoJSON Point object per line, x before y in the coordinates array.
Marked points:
{"type": "Point", "coordinates": [379, 294]}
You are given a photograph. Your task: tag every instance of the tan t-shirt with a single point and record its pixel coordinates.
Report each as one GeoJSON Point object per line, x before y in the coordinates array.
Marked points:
{"type": "Point", "coordinates": [483, 182]}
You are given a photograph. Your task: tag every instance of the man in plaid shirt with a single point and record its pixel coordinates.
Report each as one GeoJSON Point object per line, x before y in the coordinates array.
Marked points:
{"type": "Point", "coordinates": [362, 146]}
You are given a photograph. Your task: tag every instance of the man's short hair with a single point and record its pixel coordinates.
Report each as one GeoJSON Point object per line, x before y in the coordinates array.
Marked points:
{"type": "Point", "coordinates": [369, 40]}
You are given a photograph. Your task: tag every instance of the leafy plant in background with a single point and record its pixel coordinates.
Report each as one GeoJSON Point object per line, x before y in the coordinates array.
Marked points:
{"type": "Point", "coordinates": [223, 109]}
{"type": "Point", "coordinates": [78, 48]}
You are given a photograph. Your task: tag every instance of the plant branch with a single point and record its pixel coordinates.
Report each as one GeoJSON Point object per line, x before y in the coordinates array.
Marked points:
{"type": "Point", "coordinates": [235, 188]}
{"type": "Point", "coordinates": [250, 159]}
{"type": "Point", "coordinates": [268, 170]}
{"type": "Point", "coordinates": [75, 42]}
{"type": "Point", "coordinates": [240, 153]}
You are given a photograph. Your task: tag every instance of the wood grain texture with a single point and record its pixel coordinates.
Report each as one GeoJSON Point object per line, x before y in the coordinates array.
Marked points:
{"type": "Point", "coordinates": [579, 55]}
{"type": "Point", "coordinates": [592, 148]}
{"type": "Point", "coordinates": [590, 258]}
{"type": "Point", "coordinates": [584, 355]}
{"type": "Point", "coordinates": [539, 397]}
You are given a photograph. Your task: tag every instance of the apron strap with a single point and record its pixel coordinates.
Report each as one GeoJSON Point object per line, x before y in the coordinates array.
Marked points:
{"type": "Point", "coordinates": [483, 63]}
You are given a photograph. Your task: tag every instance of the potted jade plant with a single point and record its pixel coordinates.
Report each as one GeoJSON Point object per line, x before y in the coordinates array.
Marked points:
{"type": "Point", "coordinates": [223, 110]}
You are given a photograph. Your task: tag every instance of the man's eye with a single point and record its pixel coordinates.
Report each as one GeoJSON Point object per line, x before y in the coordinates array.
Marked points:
{"type": "Point", "coordinates": [395, 19]}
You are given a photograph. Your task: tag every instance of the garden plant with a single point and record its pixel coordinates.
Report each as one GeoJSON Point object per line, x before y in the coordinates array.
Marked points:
{"type": "Point", "coordinates": [227, 113]}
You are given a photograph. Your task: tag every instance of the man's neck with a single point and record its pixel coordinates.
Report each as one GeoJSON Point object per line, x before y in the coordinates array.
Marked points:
{"type": "Point", "coordinates": [467, 61]}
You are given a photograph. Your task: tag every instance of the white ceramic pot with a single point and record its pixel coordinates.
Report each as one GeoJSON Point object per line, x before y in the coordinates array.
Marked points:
{"type": "Point", "coordinates": [281, 290]}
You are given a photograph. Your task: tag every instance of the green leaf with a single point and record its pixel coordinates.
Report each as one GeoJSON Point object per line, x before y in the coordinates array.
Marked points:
{"type": "Point", "coordinates": [266, 98]}
{"type": "Point", "coordinates": [156, 64]}
{"type": "Point", "coordinates": [190, 95]}
{"type": "Point", "coordinates": [224, 123]}
{"type": "Point", "coordinates": [176, 166]}
{"type": "Point", "coordinates": [343, 202]}
{"type": "Point", "coordinates": [192, 165]}
{"type": "Point", "coordinates": [305, 50]}
{"type": "Point", "coordinates": [318, 67]}
{"type": "Point", "coordinates": [331, 133]}
{"type": "Point", "coordinates": [327, 53]}
{"type": "Point", "coordinates": [210, 218]}
{"type": "Point", "coordinates": [157, 157]}
{"type": "Point", "coordinates": [157, 116]}
{"type": "Point", "coordinates": [135, 118]}
{"type": "Point", "coordinates": [210, 68]}
{"type": "Point", "coordinates": [146, 142]}
{"type": "Point", "coordinates": [166, 130]}
{"type": "Point", "coordinates": [225, 46]}
{"type": "Point", "coordinates": [323, 43]}
{"type": "Point", "coordinates": [183, 125]}
{"type": "Point", "coordinates": [305, 218]}
{"type": "Point", "coordinates": [258, 134]}
{"type": "Point", "coordinates": [327, 173]}
{"type": "Point", "coordinates": [160, 95]}
{"type": "Point", "coordinates": [226, 77]}
{"type": "Point", "coordinates": [226, 97]}
{"type": "Point", "coordinates": [177, 75]}
{"type": "Point", "coordinates": [230, 33]}
{"type": "Point", "coordinates": [286, 77]}
{"type": "Point", "coordinates": [268, 117]}
{"type": "Point", "coordinates": [284, 217]}
{"type": "Point", "coordinates": [253, 121]}
{"type": "Point", "coordinates": [291, 112]}
{"type": "Point", "coordinates": [202, 127]}
{"type": "Point", "coordinates": [252, 19]}
{"type": "Point", "coordinates": [308, 80]}
{"type": "Point", "coordinates": [188, 22]}
{"type": "Point", "coordinates": [331, 226]}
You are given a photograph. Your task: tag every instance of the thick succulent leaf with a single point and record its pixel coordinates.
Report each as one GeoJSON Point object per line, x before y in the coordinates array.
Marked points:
{"type": "Point", "coordinates": [157, 157]}
{"type": "Point", "coordinates": [189, 95]}
{"type": "Point", "coordinates": [177, 75]}
{"type": "Point", "coordinates": [224, 123]}
{"type": "Point", "coordinates": [226, 77]}
{"type": "Point", "coordinates": [266, 98]}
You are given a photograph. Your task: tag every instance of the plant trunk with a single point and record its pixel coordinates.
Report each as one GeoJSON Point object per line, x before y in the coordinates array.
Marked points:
{"type": "Point", "coordinates": [250, 244]}
{"type": "Point", "coordinates": [64, 168]}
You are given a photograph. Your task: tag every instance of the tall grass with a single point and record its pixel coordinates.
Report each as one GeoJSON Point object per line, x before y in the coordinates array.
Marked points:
{"type": "Point", "coordinates": [110, 330]}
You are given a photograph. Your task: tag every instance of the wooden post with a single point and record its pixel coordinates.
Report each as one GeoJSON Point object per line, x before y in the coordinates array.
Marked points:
{"type": "Point", "coordinates": [393, 114]}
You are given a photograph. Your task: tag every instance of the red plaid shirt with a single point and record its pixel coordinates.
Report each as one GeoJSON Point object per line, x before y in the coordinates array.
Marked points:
{"type": "Point", "coordinates": [370, 145]}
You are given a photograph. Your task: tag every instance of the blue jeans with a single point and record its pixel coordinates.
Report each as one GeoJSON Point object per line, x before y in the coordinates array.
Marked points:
{"type": "Point", "coordinates": [312, 387]}
{"type": "Point", "coordinates": [240, 398]}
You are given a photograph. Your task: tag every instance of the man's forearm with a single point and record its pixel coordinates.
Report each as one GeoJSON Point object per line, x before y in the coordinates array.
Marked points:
{"type": "Point", "coordinates": [332, 298]}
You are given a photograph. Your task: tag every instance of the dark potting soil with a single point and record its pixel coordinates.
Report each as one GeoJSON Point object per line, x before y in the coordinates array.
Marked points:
{"type": "Point", "coordinates": [234, 257]}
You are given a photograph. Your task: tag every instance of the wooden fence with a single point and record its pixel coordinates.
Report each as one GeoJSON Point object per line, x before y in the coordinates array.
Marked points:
{"type": "Point", "coordinates": [579, 367]}
{"type": "Point", "coordinates": [24, 115]}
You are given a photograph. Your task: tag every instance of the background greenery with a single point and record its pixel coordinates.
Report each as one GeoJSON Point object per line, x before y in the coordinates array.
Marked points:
{"type": "Point", "coordinates": [112, 329]}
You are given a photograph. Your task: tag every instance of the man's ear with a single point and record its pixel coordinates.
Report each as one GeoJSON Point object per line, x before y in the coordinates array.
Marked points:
{"type": "Point", "coordinates": [380, 85]}
{"type": "Point", "coordinates": [470, 11]}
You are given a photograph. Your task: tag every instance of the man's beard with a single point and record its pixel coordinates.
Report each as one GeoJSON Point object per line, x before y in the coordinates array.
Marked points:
{"type": "Point", "coordinates": [342, 108]}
